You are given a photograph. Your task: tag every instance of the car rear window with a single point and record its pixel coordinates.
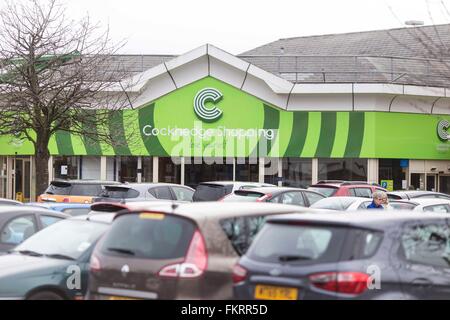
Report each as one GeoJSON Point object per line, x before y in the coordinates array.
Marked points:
{"type": "Point", "coordinates": [211, 192]}
{"type": "Point", "coordinates": [149, 236]}
{"type": "Point", "coordinates": [334, 203]}
{"type": "Point", "coordinates": [59, 188]}
{"type": "Point", "coordinates": [326, 191]}
{"type": "Point", "coordinates": [88, 190]}
{"type": "Point", "coordinates": [297, 244]}
{"type": "Point", "coordinates": [241, 196]}
{"type": "Point", "coordinates": [120, 193]}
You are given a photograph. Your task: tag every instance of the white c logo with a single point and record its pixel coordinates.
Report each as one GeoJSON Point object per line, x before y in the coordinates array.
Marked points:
{"type": "Point", "coordinates": [203, 96]}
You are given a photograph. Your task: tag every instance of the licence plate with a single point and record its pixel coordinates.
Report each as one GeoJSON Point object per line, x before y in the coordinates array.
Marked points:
{"type": "Point", "coordinates": [275, 293]}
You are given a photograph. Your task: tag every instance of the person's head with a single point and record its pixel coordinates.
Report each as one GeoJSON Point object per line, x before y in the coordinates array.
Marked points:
{"type": "Point", "coordinates": [380, 198]}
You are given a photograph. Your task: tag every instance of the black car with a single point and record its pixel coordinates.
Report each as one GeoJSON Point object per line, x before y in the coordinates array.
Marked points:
{"type": "Point", "coordinates": [412, 194]}
{"type": "Point", "coordinates": [294, 196]}
{"type": "Point", "coordinates": [353, 256]}
{"type": "Point", "coordinates": [145, 191]}
{"type": "Point", "coordinates": [17, 223]}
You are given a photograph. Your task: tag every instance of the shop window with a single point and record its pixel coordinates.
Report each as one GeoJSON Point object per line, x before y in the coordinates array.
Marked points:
{"type": "Point", "coordinates": [247, 169]}
{"type": "Point", "coordinates": [343, 169]}
{"type": "Point", "coordinates": [147, 169]}
{"type": "Point", "coordinates": [271, 170]}
{"type": "Point", "coordinates": [444, 184]}
{"type": "Point", "coordinates": [390, 169]}
{"type": "Point", "coordinates": [417, 181]}
{"type": "Point", "coordinates": [297, 172]}
{"type": "Point", "coordinates": [169, 171]}
{"type": "Point", "coordinates": [209, 169]}
{"type": "Point", "coordinates": [66, 167]}
{"type": "Point", "coordinates": [128, 169]}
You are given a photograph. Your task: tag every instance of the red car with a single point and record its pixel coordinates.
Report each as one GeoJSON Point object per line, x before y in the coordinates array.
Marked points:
{"type": "Point", "coordinates": [338, 188]}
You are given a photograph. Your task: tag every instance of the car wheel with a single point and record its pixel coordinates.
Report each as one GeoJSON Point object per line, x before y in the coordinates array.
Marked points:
{"type": "Point", "coordinates": [45, 295]}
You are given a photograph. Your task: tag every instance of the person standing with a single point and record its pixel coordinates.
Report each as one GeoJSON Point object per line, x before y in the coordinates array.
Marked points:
{"type": "Point", "coordinates": [379, 198]}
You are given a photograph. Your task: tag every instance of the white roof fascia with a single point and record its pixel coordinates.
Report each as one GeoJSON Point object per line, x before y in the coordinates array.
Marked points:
{"type": "Point", "coordinates": [277, 84]}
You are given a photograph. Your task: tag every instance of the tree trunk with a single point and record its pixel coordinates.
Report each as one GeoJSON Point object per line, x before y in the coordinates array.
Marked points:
{"type": "Point", "coordinates": [42, 155]}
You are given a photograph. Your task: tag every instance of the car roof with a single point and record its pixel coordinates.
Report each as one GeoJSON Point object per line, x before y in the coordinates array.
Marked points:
{"type": "Point", "coordinates": [58, 205]}
{"type": "Point", "coordinates": [103, 182]}
{"type": "Point", "coordinates": [7, 201]}
{"type": "Point", "coordinates": [134, 206]}
{"type": "Point", "coordinates": [429, 201]}
{"type": "Point", "coordinates": [267, 190]}
{"type": "Point", "coordinates": [29, 209]}
{"type": "Point", "coordinates": [147, 185]}
{"type": "Point", "coordinates": [101, 218]}
{"type": "Point", "coordinates": [368, 219]}
{"type": "Point", "coordinates": [236, 183]}
{"type": "Point", "coordinates": [201, 210]}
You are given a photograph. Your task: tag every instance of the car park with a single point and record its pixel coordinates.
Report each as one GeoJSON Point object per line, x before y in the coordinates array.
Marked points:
{"type": "Point", "coordinates": [339, 188]}
{"type": "Point", "coordinates": [293, 196]}
{"type": "Point", "coordinates": [377, 255]}
{"type": "Point", "coordinates": [79, 191]}
{"type": "Point", "coordinates": [358, 203]}
{"type": "Point", "coordinates": [46, 266]}
{"type": "Point", "coordinates": [73, 209]}
{"type": "Point", "coordinates": [414, 194]}
{"type": "Point", "coordinates": [18, 223]}
{"type": "Point", "coordinates": [146, 191]}
{"type": "Point", "coordinates": [176, 252]}
{"type": "Point", "coordinates": [215, 190]}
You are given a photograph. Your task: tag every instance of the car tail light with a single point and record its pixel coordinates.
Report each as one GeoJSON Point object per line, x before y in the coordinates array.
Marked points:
{"type": "Point", "coordinates": [239, 274]}
{"type": "Point", "coordinates": [66, 200]}
{"type": "Point", "coordinates": [94, 264]}
{"type": "Point", "coordinates": [264, 198]}
{"type": "Point", "coordinates": [341, 282]}
{"type": "Point", "coordinates": [194, 264]}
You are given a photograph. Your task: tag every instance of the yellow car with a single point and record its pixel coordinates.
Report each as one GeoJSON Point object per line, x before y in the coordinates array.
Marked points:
{"type": "Point", "coordinates": [78, 191]}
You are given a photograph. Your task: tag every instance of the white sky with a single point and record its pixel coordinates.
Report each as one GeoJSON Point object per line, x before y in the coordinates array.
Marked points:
{"type": "Point", "coordinates": [178, 26]}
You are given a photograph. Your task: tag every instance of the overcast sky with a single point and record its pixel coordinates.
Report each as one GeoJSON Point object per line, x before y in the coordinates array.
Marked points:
{"type": "Point", "coordinates": [177, 26]}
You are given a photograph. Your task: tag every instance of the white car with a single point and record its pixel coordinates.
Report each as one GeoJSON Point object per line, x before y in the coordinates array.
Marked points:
{"type": "Point", "coordinates": [358, 203]}
{"type": "Point", "coordinates": [432, 205]}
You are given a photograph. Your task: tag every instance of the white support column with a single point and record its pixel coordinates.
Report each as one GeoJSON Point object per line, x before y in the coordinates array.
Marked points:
{"type": "Point", "coordinates": [155, 169]}
{"type": "Point", "coordinates": [51, 173]}
{"type": "Point", "coordinates": [315, 171]}
{"type": "Point", "coordinates": [234, 169]}
{"type": "Point", "coordinates": [261, 170]}
{"type": "Point", "coordinates": [139, 169]}
{"type": "Point", "coordinates": [183, 161]}
{"type": "Point", "coordinates": [103, 168]}
{"type": "Point", "coordinates": [372, 170]}
{"type": "Point", "coordinates": [280, 171]}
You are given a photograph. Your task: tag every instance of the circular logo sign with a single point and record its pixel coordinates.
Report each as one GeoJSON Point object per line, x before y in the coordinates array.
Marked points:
{"type": "Point", "coordinates": [201, 110]}
{"type": "Point", "coordinates": [443, 125]}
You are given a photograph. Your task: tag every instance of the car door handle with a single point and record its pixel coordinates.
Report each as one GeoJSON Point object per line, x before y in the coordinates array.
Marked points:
{"type": "Point", "coordinates": [422, 282]}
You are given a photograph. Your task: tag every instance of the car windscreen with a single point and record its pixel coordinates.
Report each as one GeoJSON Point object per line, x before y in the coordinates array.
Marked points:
{"type": "Point", "coordinates": [243, 196]}
{"type": "Point", "coordinates": [69, 238]}
{"type": "Point", "coordinates": [119, 192]}
{"type": "Point", "coordinates": [211, 192]}
{"type": "Point", "coordinates": [149, 236]}
{"type": "Point", "coordinates": [59, 188]}
{"type": "Point", "coordinates": [402, 205]}
{"type": "Point", "coordinates": [297, 244]}
{"type": "Point", "coordinates": [326, 191]}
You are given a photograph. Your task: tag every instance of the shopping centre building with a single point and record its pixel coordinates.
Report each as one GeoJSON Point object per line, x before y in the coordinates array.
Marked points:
{"type": "Point", "coordinates": [370, 106]}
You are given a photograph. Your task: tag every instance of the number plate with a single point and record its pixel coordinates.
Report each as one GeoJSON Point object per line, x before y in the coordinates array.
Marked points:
{"type": "Point", "coordinates": [275, 293]}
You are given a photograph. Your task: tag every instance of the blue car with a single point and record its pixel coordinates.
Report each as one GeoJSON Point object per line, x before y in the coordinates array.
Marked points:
{"type": "Point", "coordinates": [73, 209]}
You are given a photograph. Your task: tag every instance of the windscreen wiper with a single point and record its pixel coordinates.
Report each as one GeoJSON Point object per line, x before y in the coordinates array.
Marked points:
{"type": "Point", "coordinates": [30, 253]}
{"type": "Point", "coordinates": [59, 256]}
{"type": "Point", "coordinates": [124, 251]}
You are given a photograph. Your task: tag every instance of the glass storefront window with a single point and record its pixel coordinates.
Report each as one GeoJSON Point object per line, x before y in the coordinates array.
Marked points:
{"type": "Point", "coordinates": [343, 169]}
{"type": "Point", "coordinates": [209, 169]}
{"type": "Point", "coordinates": [128, 169]}
{"type": "Point", "coordinates": [247, 170]}
{"type": "Point", "coordinates": [66, 167]}
{"type": "Point", "coordinates": [169, 171]}
{"type": "Point", "coordinates": [271, 170]}
{"type": "Point", "coordinates": [390, 169]}
{"type": "Point", "coordinates": [297, 172]}
{"type": "Point", "coordinates": [444, 184]}
{"type": "Point", "coordinates": [147, 169]}
{"type": "Point", "coordinates": [417, 181]}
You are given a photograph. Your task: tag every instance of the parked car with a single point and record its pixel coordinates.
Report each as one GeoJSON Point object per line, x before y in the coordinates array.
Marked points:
{"type": "Point", "coordinates": [80, 191]}
{"type": "Point", "coordinates": [9, 202]}
{"type": "Point", "coordinates": [73, 209]}
{"type": "Point", "coordinates": [46, 266]}
{"type": "Point", "coordinates": [215, 190]}
{"type": "Point", "coordinates": [176, 252]}
{"type": "Point", "coordinates": [18, 223]}
{"type": "Point", "coordinates": [358, 203]}
{"type": "Point", "coordinates": [114, 207]}
{"type": "Point", "coordinates": [338, 188]}
{"type": "Point", "coordinates": [413, 194]}
{"type": "Point", "coordinates": [377, 255]}
{"type": "Point", "coordinates": [145, 191]}
{"type": "Point", "coordinates": [431, 205]}
{"type": "Point", "coordinates": [294, 196]}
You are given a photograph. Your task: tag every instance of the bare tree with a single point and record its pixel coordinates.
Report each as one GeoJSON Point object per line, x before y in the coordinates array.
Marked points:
{"type": "Point", "coordinates": [56, 74]}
